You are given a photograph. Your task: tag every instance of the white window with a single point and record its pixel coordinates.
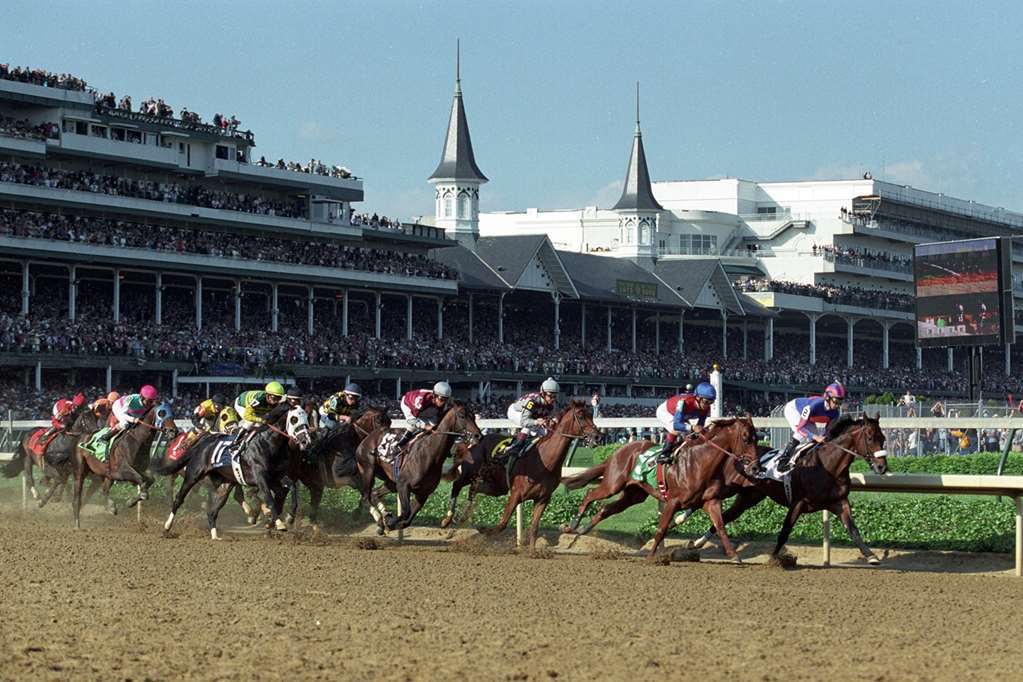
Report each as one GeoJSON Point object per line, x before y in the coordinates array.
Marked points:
{"type": "Point", "coordinates": [449, 208]}
{"type": "Point", "coordinates": [465, 209]}
{"type": "Point", "coordinates": [630, 234]}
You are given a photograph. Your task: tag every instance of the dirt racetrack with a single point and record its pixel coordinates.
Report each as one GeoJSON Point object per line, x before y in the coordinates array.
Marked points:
{"type": "Point", "coordinates": [118, 601]}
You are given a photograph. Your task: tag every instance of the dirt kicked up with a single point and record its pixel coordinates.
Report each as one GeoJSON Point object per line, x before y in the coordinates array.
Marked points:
{"type": "Point", "coordinates": [119, 601]}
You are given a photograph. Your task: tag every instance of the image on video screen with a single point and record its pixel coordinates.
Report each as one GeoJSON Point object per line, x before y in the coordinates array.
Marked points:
{"type": "Point", "coordinates": [957, 293]}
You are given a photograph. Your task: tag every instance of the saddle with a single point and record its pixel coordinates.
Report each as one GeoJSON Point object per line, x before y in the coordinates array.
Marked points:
{"type": "Point", "coordinates": [647, 470]}
{"type": "Point", "coordinates": [225, 455]}
{"type": "Point", "coordinates": [100, 449]}
{"type": "Point", "coordinates": [770, 459]}
{"type": "Point", "coordinates": [36, 445]}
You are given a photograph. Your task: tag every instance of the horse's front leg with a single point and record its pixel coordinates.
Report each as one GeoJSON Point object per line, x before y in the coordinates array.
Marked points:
{"type": "Point", "coordinates": [844, 511]}
{"type": "Point", "coordinates": [509, 509]}
{"type": "Point", "coordinates": [713, 509]}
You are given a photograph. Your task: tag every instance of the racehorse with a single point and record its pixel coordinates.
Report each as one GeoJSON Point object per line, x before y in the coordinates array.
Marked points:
{"type": "Point", "coordinates": [694, 479]}
{"type": "Point", "coordinates": [820, 480]}
{"type": "Point", "coordinates": [127, 458]}
{"type": "Point", "coordinates": [53, 461]}
{"type": "Point", "coordinates": [264, 463]}
{"type": "Point", "coordinates": [535, 476]}
{"type": "Point", "coordinates": [420, 467]}
{"type": "Point", "coordinates": [331, 461]}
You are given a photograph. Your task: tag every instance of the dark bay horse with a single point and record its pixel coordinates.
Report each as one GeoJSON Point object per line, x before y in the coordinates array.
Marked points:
{"type": "Point", "coordinates": [332, 462]}
{"type": "Point", "coordinates": [819, 481]}
{"type": "Point", "coordinates": [263, 463]}
{"type": "Point", "coordinates": [694, 479]}
{"type": "Point", "coordinates": [127, 458]}
{"type": "Point", "coordinates": [535, 476]}
{"type": "Point", "coordinates": [421, 465]}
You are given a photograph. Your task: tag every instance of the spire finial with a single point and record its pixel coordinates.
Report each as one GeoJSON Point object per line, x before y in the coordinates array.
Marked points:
{"type": "Point", "coordinates": [637, 107]}
{"type": "Point", "coordinates": [458, 65]}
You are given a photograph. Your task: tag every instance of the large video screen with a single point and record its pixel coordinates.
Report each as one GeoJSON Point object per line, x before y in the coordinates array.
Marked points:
{"type": "Point", "coordinates": [958, 293]}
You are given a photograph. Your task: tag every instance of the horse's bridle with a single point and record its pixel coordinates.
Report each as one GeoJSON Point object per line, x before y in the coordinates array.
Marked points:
{"type": "Point", "coordinates": [868, 457]}
{"type": "Point", "coordinates": [739, 458]}
{"type": "Point", "coordinates": [464, 434]}
{"type": "Point", "coordinates": [575, 422]}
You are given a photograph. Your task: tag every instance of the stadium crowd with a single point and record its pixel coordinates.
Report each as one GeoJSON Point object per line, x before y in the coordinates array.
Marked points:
{"type": "Point", "coordinates": [125, 234]}
{"type": "Point", "coordinates": [314, 167]}
{"type": "Point", "coordinates": [832, 293]}
{"type": "Point", "coordinates": [864, 258]}
{"type": "Point", "coordinates": [23, 128]}
{"type": "Point", "coordinates": [167, 192]}
{"type": "Point", "coordinates": [64, 81]}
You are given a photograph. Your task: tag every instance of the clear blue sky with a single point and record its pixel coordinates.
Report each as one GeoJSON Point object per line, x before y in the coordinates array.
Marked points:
{"type": "Point", "coordinates": [921, 93]}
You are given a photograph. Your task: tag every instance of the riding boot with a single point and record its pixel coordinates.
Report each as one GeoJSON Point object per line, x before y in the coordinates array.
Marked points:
{"type": "Point", "coordinates": [47, 433]}
{"type": "Point", "coordinates": [404, 440]}
{"type": "Point", "coordinates": [785, 461]}
{"type": "Point", "coordinates": [667, 453]}
{"type": "Point", "coordinates": [105, 437]}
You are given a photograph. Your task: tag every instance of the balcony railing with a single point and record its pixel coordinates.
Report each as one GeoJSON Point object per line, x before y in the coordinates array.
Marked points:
{"type": "Point", "coordinates": [175, 123]}
{"type": "Point", "coordinates": [870, 262]}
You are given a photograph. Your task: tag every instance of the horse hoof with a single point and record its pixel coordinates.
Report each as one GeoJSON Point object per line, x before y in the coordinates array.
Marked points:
{"type": "Point", "coordinates": [568, 529]}
{"type": "Point", "coordinates": [445, 522]}
{"type": "Point", "coordinates": [737, 561]}
{"type": "Point", "coordinates": [381, 531]}
{"type": "Point", "coordinates": [35, 493]}
{"type": "Point", "coordinates": [873, 560]}
{"type": "Point", "coordinates": [289, 519]}
{"type": "Point", "coordinates": [280, 525]}
{"type": "Point", "coordinates": [143, 496]}
{"type": "Point", "coordinates": [252, 520]}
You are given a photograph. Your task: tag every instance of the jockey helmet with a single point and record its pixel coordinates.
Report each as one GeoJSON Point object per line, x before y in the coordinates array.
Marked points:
{"type": "Point", "coordinates": [78, 400]}
{"type": "Point", "coordinates": [835, 390]}
{"type": "Point", "coordinates": [442, 389]}
{"type": "Point", "coordinates": [148, 392]}
{"type": "Point", "coordinates": [275, 388]}
{"type": "Point", "coordinates": [294, 392]}
{"type": "Point", "coordinates": [113, 396]}
{"type": "Point", "coordinates": [706, 391]}
{"type": "Point", "coordinates": [353, 389]}
{"type": "Point", "coordinates": [218, 399]}
{"type": "Point", "coordinates": [549, 385]}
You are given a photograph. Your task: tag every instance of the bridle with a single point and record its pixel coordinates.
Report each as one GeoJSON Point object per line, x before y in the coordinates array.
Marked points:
{"type": "Point", "coordinates": [576, 421]}
{"type": "Point", "coordinates": [870, 458]}
{"type": "Point", "coordinates": [469, 438]}
{"type": "Point", "coordinates": [739, 458]}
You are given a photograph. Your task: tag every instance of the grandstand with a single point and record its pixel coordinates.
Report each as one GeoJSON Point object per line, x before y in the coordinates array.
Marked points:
{"type": "Point", "coordinates": [139, 245]}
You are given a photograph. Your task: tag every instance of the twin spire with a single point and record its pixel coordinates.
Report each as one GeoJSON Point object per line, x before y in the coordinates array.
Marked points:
{"type": "Point", "coordinates": [457, 161]}
{"type": "Point", "coordinates": [637, 194]}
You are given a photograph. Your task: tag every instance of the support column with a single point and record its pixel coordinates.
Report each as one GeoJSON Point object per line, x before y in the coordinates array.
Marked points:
{"type": "Point", "coordinates": [310, 306]}
{"type": "Point", "coordinates": [344, 313]}
{"type": "Point", "coordinates": [500, 319]}
{"type": "Point", "coordinates": [657, 332]}
{"type": "Point", "coordinates": [582, 329]}
{"type": "Point", "coordinates": [813, 317]}
{"type": "Point", "coordinates": [397, 389]}
{"type": "Point", "coordinates": [634, 329]}
{"type": "Point", "coordinates": [885, 355]}
{"type": "Point", "coordinates": [724, 333]}
{"type": "Point", "coordinates": [681, 331]}
{"type": "Point", "coordinates": [117, 295]}
{"type": "Point", "coordinates": [557, 319]}
{"type": "Point", "coordinates": [1008, 359]}
{"type": "Point", "coordinates": [24, 288]}
{"type": "Point", "coordinates": [408, 317]}
{"type": "Point", "coordinates": [609, 329]}
{"type": "Point", "coordinates": [72, 292]}
{"type": "Point", "coordinates": [951, 360]}
{"type": "Point", "coordinates": [745, 338]}
{"type": "Point", "coordinates": [850, 323]}
{"type": "Point", "coordinates": [376, 330]}
{"type": "Point", "coordinates": [440, 317]}
{"type": "Point", "coordinates": [174, 383]}
{"type": "Point", "coordinates": [110, 378]}
{"type": "Point", "coordinates": [237, 305]}
{"type": "Point", "coordinates": [158, 313]}
{"type": "Point", "coordinates": [198, 303]}
{"type": "Point", "coordinates": [39, 375]}
{"type": "Point", "coordinates": [470, 318]}
{"type": "Point", "coordinates": [275, 311]}
{"type": "Point", "coordinates": [919, 357]}
{"type": "Point", "coordinates": [769, 340]}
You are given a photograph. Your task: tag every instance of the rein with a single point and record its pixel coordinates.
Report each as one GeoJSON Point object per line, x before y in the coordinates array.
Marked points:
{"type": "Point", "coordinates": [717, 447]}
{"type": "Point", "coordinates": [865, 457]}
{"type": "Point", "coordinates": [281, 433]}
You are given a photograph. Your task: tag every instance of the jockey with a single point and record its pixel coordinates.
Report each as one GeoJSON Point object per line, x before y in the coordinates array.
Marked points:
{"type": "Point", "coordinates": [675, 415]}
{"type": "Point", "coordinates": [101, 406]}
{"type": "Point", "coordinates": [341, 407]}
{"type": "Point", "coordinates": [228, 420]}
{"type": "Point", "coordinates": [204, 416]}
{"type": "Point", "coordinates": [803, 414]}
{"type": "Point", "coordinates": [252, 406]}
{"type": "Point", "coordinates": [62, 411]}
{"type": "Point", "coordinates": [129, 410]}
{"type": "Point", "coordinates": [532, 414]}
{"type": "Point", "coordinates": [415, 402]}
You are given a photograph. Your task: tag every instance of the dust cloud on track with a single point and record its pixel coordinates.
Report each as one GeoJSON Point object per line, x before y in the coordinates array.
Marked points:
{"type": "Point", "coordinates": [119, 601]}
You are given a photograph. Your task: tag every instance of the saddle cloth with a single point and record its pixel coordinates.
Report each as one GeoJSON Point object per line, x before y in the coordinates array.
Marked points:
{"type": "Point", "coordinates": [37, 445]}
{"type": "Point", "coordinates": [769, 462]}
{"type": "Point", "coordinates": [388, 446]}
{"type": "Point", "coordinates": [100, 449]}
{"type": "Point", "coordinates": [223, 456]}
{"type": "Point", "coordinates": [645, 470]}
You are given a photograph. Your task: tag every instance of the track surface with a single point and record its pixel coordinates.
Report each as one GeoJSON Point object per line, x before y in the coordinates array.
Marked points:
{"type": "Point", "coordinates": [118, 601]}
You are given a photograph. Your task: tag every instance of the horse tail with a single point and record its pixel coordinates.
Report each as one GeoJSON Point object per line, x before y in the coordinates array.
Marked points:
{"type": "Point", "coordinates": [16, 465]}
{"type": "Point", "coordinates": [170, 467]}
{"type": "Point", "coordinates": [588, 476]}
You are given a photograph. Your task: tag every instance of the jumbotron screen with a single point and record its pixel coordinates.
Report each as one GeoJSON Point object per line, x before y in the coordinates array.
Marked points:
{"type": "Point", "coordinates": [959, 292]}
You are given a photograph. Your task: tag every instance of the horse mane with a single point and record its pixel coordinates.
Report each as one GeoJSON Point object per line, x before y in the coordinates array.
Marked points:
{"type": "Point", "coordinates": [841, 425]}
{"type": "Point", "coordinates": [572, 405]}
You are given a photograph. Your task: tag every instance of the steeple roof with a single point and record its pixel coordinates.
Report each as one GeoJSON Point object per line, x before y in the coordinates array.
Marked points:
{"type": "Point", "coordinates": [637, 193]}
{"type": "Point", "coordinates": [457, 161]}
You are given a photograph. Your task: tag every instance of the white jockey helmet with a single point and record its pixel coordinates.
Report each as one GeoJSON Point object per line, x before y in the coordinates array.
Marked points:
{"type": "Point", "coordinates": [550, 386]}
{"type": "Point", "coordinates": [442, 388]}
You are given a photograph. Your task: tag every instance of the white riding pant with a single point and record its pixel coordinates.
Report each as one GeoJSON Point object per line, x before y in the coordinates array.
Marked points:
{"type": "Point", "coordinates": [793, 417]}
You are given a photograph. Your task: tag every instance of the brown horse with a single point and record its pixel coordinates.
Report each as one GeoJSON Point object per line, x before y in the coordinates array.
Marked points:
{"type": "Point", "coordinates": [694, 479]}
{"type": "Point", "coordinates": [421, 465]}
{"type": "Point", "coordinates": [820, 480]}
{"type": "Point", "coordinates": [535, 476]}
{"type": "Point", "coordinates": [331, 461]}
{"type": "Point", "coordinates": [127, 458]}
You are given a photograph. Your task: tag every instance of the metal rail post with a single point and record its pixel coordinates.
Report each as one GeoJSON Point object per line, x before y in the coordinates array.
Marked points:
{"type": "Point", "coordinates": [519, 524]}
{"type": "Point", "coordinates": [826, 559]}
{"type": "Point", "coordinates": [1019, 536]}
